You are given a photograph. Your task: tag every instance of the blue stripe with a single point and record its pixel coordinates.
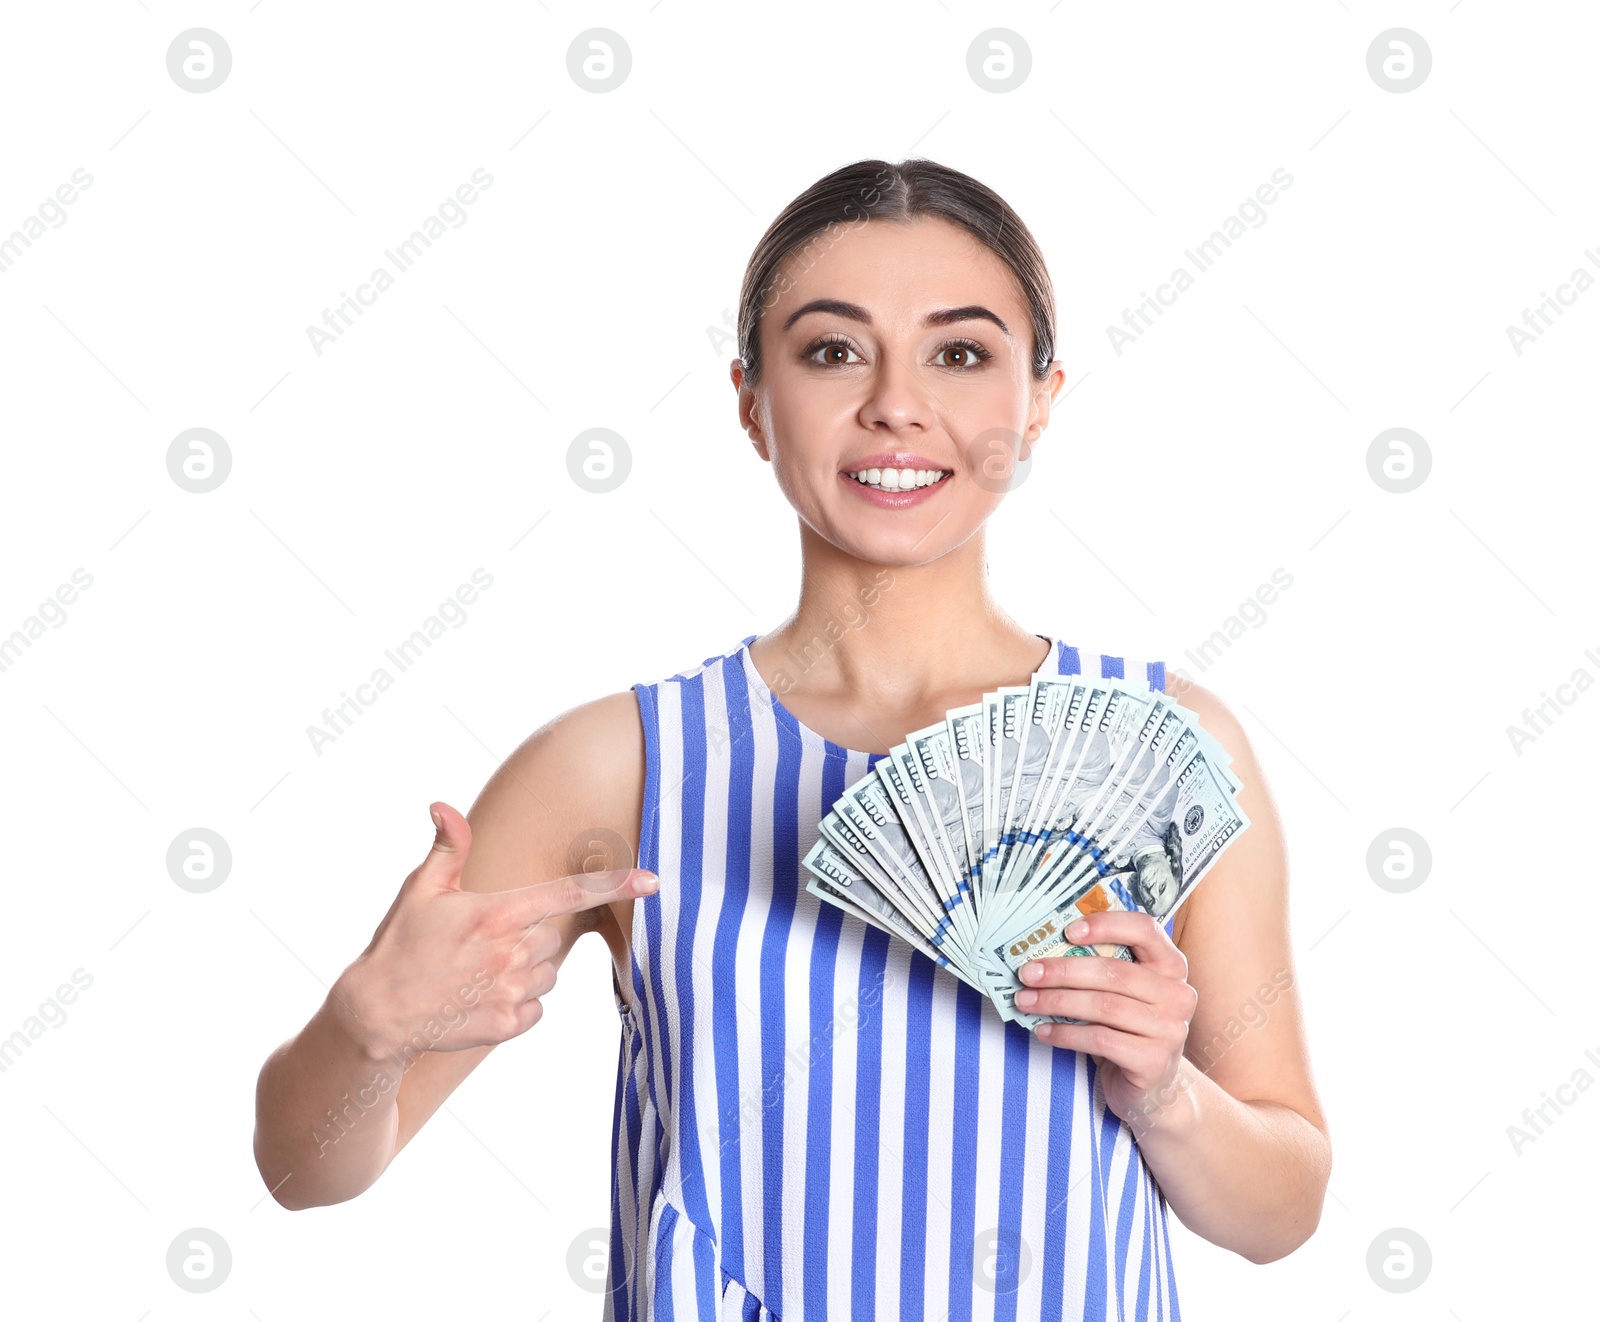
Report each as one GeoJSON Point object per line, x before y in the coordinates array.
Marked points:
{"type": "Point", "coordinates": [1110, 667]}
{"type": "Point", "coordinates": [774, 946]}
{"type": "Point", "coordinates": [1057, 1183]}
{"type": "Point", "coordinates": [724, 946]}
{"type": "Point", "coordinates": [914, 1164]}
{"type": "Point", "coordinates": [970, 1005]}
{"type": "Point", "coordinates": [1070, 663]}
{"type": "Point", "coordinates": [819, 1080]}
{"type": "Point", "coordinates": [1156, 675]}
{"type": "Point", "coordinates": [1014, 1158]}
{"type": "Point", "coordinates": [661, 1305]}
{"type": "Point", "coordinates": [636, 1138]}
{"type": "Point", "coordinates": [1110, 1126]}
{"type": "Point", "coordinates": [869, 1091]}
{"type": "Point", "coordinates": [1130, 1187]}
{"type": "Point", "coordinates": [690, 882]}
{"type": "Point", "coordinates": [658, 1043]}
{"type": "Point", "coordinates": [619, 1308]}
{"type": "Point", "coordinates": [1094, 1265]}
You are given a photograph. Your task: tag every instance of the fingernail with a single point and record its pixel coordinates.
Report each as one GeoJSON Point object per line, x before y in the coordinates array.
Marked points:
{"type": "Point", "coordinates": [1031, 971]}
{"type": "Point", "coordinates": [647, 882]}
{"type": "Point", "coordinates": [438, 821]}
{"type": "Point", "coordinates": [1078, 930]}
{"type": "Point", "coordinates": [1027, 998]}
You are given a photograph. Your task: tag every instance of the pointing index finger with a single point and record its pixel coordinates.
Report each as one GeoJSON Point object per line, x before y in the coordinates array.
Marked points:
{"type": "Point", "coordinates": [572, 894]}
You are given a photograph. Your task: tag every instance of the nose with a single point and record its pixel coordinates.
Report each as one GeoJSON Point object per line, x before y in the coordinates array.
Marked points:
{"type": "Point", "coordinates": [896, 398]}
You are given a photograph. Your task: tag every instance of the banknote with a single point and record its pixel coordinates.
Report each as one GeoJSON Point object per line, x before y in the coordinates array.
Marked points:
{"type": "Point", "coordinates": [982, 837]}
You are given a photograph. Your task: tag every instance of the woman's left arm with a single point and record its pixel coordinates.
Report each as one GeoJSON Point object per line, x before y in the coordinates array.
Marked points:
{"type": "Point", "coordinates": [1200, 1042]}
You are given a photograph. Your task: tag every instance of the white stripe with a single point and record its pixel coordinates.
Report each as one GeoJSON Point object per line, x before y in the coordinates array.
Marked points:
{"type": "Point", "coordinates": [890, 1013]}
{"type": "Point", "coordinates": [842, 1154]}
{"type": "Point", "coordinates": [747, 1006]}
{"type": "Point", "coordinates": [990, 1087]}
{"type": "Point", "coordinates": [800, 1048]}
{"type": "Point", "coordinates": [941, 1157]}
{"type": "Point", "coordinates": [1030, 1292]}
{"type": "Point", "coordinates": [710, 999]}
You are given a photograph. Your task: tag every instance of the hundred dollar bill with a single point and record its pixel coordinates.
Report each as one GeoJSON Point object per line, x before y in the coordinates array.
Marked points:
{"type": "Point", "coordinates": [834, 880]}
{"type": "Point", "coordinates": [1100, 759]}
{"type": "Point", "coordinates": [933, 753]}
{"type": "Point", "coordinates": [1170, 846]}
{"type": "Point", "coordinates": [868, 808]}
{"type": "Point", "coordinates": [1005, 712]}
{"type": "Point", "coordinates": [1046, 710]}
{"type": "Point", "coordinates": [842, 836]}
{"type": "Point", "coordinates": [900, 773]}
{"type": "Point", "coordinates": [1117, 763]}
{"type": "Point", "coordinates": [1075, 740]}
{"type": "Point", "coordinates": [969, 744]}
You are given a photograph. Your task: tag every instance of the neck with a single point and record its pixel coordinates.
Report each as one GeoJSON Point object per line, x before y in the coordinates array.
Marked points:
{"type": "Point", "coordinates": [895, 636]}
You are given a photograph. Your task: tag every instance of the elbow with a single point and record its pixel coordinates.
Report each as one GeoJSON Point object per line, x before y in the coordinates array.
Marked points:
{"type": "Point", "coordinates": [1295, 1230]}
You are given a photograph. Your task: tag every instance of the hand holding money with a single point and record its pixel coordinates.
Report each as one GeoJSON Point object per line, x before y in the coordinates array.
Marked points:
{"type": "Point", "coordinates": [1132, 1017]}
{"type": "Point", "coordinates": [985, 838]}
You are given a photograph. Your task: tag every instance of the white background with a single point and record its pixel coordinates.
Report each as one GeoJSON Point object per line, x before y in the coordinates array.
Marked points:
{"type": "Point", "coordinates": [584, 290]}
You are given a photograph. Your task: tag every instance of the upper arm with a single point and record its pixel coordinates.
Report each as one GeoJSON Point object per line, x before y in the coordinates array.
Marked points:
{"type": "Point", "coordinates": [1247, 1032]}
{"type": "Point", "coordinates": [578, 778]}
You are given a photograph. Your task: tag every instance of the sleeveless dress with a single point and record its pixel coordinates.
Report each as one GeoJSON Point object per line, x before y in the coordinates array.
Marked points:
{"type": "Point", "coordinates": [813, 1120]}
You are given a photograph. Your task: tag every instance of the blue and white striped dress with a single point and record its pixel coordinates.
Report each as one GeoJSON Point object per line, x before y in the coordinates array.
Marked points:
{"type": "Point", "coordinates": [813, 1121]}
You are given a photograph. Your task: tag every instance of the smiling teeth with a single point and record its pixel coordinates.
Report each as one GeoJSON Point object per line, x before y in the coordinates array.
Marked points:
{"type": "Point", "coordinates": [898, 479]}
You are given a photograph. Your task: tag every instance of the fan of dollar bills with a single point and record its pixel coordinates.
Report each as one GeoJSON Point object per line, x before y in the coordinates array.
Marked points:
{"type": "Point", "coordinates": [983, 837]}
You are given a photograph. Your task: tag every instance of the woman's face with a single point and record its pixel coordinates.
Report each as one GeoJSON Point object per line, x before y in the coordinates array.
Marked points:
{"type": "Point", "coordinates": [895, 346]}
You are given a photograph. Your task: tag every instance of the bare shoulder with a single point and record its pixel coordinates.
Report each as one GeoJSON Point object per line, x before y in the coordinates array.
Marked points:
{"type": "Point", "coordinates": [566, 800]}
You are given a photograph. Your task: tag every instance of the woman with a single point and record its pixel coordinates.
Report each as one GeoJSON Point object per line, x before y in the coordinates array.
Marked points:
{"type": "Point", "coordinates": [813, 1120]}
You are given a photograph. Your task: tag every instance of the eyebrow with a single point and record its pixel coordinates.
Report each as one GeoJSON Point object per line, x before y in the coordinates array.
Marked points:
{"type": "Point", "coordinates": [855, 312]}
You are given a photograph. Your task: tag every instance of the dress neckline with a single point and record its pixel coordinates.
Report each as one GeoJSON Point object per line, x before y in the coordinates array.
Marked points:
{"type": "Point", "coordinates": [769, 699]}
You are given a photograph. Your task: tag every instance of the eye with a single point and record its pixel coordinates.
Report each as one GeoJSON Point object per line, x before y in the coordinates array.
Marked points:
{"type": "Point", "coordinates": [836, 351]}
{"type": "Point", "coordinates": [969, 354]}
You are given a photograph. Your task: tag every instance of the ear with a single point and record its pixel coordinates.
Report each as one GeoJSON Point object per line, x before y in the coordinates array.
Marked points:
{"type": "Point", "coordinates": [1044, 395]}
{"type": "Point", "coordinates": [747, 410]}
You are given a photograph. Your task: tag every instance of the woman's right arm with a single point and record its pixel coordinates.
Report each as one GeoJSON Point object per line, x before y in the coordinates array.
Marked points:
{"type": "Point", "coordinates": [472, 941]}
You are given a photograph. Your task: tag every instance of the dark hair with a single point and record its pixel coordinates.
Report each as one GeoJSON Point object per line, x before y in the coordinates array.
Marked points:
{"type": "Point", "coordinates": [869, 190]}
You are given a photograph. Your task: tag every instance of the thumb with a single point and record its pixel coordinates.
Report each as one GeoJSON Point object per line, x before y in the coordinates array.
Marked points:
{"type": "Point", "coordinates": [452, 842]}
